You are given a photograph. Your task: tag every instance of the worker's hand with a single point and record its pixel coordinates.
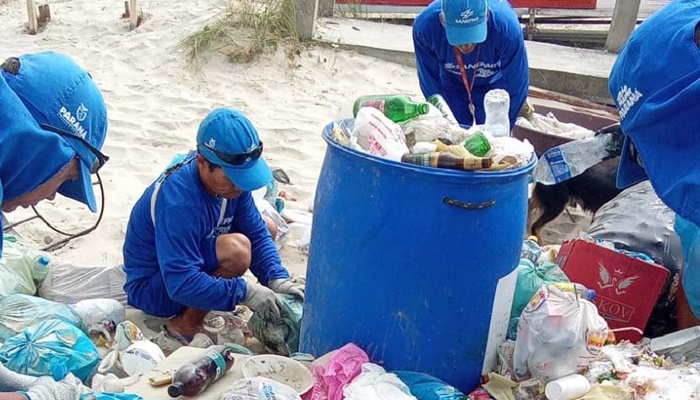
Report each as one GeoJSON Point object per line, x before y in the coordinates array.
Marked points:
{"type": "Point", "coordinates": [46, 388]}
{"type": "Point", "coordinates": [286, 286]}
{"type": "Point", "coordinates": [263, 302]}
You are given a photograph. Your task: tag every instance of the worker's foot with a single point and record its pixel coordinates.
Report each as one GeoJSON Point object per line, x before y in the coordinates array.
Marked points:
{"type": "Point", "coordinates": [169, 340]}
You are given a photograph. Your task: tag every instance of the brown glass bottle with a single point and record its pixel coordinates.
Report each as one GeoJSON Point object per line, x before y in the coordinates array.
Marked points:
{"type": "Point", "coordinates": [447, 160]}
{"type": "Point", "coordinates": [194, 377]}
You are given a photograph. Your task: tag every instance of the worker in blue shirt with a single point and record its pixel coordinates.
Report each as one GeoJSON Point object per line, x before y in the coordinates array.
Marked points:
{"type": "Point", "coordinates": [655, 84]}
{"type": "Point", "coordinates": [196, 231]}
{"type": "Point", "coordinates": [464, 48]}
{"type": "Point", "coordinates": [53, 123]}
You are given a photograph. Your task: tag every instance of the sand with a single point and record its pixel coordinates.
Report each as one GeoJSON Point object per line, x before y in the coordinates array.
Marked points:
{"type": "Point", "coordinates": [155, 103]}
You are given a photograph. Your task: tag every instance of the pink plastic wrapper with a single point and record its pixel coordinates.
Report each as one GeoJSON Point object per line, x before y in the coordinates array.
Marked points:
{"type": "Point", "coordinates": [335, 370]}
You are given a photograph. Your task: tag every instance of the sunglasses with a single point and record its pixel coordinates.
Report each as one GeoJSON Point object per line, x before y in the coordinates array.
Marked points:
{"type": "Point", "coordinates": [101, 158]}
{"type": "Point", "coordinates": [235, 159]}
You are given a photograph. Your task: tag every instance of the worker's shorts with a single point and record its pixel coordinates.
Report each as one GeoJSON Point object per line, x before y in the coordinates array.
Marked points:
{"type": "Point", "coordinates": [150, 295]}
{"type": "Point", "coordinates": [689, 234]}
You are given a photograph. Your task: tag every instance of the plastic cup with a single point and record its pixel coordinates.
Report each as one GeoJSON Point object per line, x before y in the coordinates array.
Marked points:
{"type": "Point", "coordinates": [567, 388]}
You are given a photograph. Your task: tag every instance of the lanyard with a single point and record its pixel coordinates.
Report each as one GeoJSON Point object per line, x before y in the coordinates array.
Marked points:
{"type": "Point", "coordinates": [469, 87]}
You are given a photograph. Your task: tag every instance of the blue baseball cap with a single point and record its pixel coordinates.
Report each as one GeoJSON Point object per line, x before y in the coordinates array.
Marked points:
{"type": "Point", "coordinates": [465, 21]}
{"type": "Point", "coordinates": [655, 84]}
{"type": "Point", "coordinates": [63, 99]}
{"type": "Point", "coordinates": [228, 139]}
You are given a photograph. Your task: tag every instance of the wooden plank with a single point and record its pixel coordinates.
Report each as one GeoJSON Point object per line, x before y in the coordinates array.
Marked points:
{"type": "Point", "coordinates": [33, 19]}
{"type": "Point", "coordinates": [305, 12]}
{"type": "Point", "coordinates": [624, 20]}
{"type": "Point", "coordinates": [133, 14]}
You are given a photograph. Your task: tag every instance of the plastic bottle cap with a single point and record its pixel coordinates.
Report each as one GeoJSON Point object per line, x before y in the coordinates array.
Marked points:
{"type": "Point", "coordinates": [43, 260]}
{"type": "Point", "coordinates": [590, 294]}
{"type": "Point", "coordinates": [175, 389]}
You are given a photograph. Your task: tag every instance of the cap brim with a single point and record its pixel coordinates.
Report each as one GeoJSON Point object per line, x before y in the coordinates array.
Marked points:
{"type": "Point", "coordinates": [629, 172]}
{"type": "Point", "coordinates": [461, 35]}
{"type": "Point", "coordinates": [80, 189]}
{"type": "Point", "coordinates": [250, 176]}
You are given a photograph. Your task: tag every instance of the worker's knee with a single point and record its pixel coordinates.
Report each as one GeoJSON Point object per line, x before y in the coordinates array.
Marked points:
{"type": "Point", "coordinates": [271, 226]}
{"type": "Point", "coordinates": [233, 251]}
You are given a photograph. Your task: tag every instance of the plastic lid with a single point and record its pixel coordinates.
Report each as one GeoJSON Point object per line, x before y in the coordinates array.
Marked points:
{"type": "Point", "coordinates": [175, 389]}
{"type": "Point", "coordinates": [590, 294]}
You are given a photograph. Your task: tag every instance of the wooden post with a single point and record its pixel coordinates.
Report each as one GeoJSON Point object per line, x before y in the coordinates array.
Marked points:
{"type": "Point", "coordinates": [133, 14]}
{"type": "Point", "coordinates": [326, 8]}
{"type": "Point", "coordinates": [305, 12]}
{"type": "Point", "coordinates": [624, 19]}
{"type": "Point", "coordinates": [33, 19]}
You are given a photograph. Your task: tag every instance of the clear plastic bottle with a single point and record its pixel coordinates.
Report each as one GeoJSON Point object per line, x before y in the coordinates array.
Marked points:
{"type": "Point", "coordinates": [531, 250]}
{"type": "Point", "coordinates": [573, 158]}
{"type": "Point", "coordinates": [496, 107]}
{"type": "Point", "coordinates": [41, 268]}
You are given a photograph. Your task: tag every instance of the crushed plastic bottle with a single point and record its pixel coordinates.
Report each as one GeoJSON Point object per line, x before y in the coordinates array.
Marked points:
{"type": "Point", "coordinates": [496, 107]}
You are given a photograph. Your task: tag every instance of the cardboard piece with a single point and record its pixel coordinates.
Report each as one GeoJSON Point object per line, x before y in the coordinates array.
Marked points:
{"type": "Point", "coordinates": [626, 288]}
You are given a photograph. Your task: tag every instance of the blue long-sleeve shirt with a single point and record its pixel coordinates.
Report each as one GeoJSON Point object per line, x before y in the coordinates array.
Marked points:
{"type": "Point", "coordinates": [502, 62]}
{"type": "Point", "coordinates": [186, 220]}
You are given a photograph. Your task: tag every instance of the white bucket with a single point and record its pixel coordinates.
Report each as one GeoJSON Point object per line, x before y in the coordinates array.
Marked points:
{"type": "Point", "coordinates": [280, 369]}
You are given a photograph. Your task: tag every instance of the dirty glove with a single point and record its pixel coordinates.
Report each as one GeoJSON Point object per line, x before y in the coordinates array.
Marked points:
{"type": "Point", "coordinates": [12, 381]}
{"type": "Point", "coordinates": [263, 302]}
{"type": "Point", "coordinates": [46, 388]}
{"type": "Point", "coordinates": [286, 286]}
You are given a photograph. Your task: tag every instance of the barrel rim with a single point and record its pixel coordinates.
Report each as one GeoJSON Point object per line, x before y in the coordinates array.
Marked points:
{"type": "Point", "coordinates": [509, 173]}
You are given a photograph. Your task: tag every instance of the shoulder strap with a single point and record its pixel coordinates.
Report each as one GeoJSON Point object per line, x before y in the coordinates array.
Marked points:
{"type": "Point", "coordinates": [178, 163]}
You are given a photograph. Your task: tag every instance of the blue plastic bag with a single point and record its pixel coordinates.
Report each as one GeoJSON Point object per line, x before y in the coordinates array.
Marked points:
{"type": "Point", "coordinates": [32, 351]}
{"type": "Point", "coordinates": [110, 396]}
{"type": "Point", "coordinates": [426, 387]}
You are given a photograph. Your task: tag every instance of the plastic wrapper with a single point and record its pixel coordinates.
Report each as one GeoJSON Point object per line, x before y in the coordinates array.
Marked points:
{"type": "Point", "coordinates": [428, 127]}
{"type": "Point", "coordinates": [69, 283]}
{"type": "Point", "coordinates": [510, 152]}
{"type": "Point", "coordinates": [426, 387]}
{"type": "Point", "coordinates": [377, 135]}
{"type": "Point", "coordinates": [374, 383]}
{"type": "Point", "coordinates": [638, 221]}
{"type": "Point", "coordinates": [550, 124]}
{"type": "Point", "coordinates": [32, 351]}
{"type": "Point", "coordinates": [280, 335]}
{"type": "Point", "coordinates": [335, 370]}
{"type": "Point", "coordinates": [20, 311]}
{"type": "Point", "coordinates": [559, 334]}
{"type": "Point", "coordinates": [259, 388]}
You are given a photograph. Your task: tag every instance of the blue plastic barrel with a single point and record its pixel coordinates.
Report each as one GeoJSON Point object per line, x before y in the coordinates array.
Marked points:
{"type": "Point", "coordinates": [416, 265]}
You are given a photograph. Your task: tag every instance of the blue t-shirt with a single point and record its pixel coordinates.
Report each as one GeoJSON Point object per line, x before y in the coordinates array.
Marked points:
{"type": "Point", "coordinates": [502, 62]}
{"type": "Point", "coordinates": [187, 219]}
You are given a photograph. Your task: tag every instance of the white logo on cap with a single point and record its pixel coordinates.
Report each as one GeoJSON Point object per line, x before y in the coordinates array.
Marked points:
{"type": "Point", "coordinates": [81, 112]}
{"type": "Point", "coordinates": [72, 121]}
{"type": "Point", "coordinates": [211, 143]}
{"type": "Point", "coordinates": [467, 17]}
{"type": "Point", "coordinates": [626, 99]}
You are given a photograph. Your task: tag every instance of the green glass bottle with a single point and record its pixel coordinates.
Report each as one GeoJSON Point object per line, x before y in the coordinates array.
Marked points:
{"type": "Point", "coordinates": [477, 144]}
{"type": "Point", "coordinates": [396, 107]}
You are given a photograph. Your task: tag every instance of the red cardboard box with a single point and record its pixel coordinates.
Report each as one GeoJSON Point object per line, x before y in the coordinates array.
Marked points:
{"type": "Point", "coordinates": [626, 288]}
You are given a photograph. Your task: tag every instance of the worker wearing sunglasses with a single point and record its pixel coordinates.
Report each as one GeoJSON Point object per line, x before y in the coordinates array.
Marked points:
{"type": "Point", "coordinates": [53, 123]}
{"type": "Point", "coordinates": [196, 231]}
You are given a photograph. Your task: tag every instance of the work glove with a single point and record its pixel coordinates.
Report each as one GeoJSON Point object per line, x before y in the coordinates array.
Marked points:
{"type": "Point", "coordinates": [46, 388]}
{"type": "Point", "coordinates": [11, 381]}
{"type": "Point", "coordinates": [263, 302]}
{"type": "Point", "coordinates": [286, 286]}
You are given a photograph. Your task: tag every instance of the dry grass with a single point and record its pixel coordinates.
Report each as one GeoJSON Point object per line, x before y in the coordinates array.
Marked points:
{"type": "Point", "coordinates": [247, 29]}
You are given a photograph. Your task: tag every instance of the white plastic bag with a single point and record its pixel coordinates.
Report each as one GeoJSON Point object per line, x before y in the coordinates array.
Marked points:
{"type": "Point", "coordinates": [428, 127]}
{"type": "Point", "coordinates": [378, 135]}
{"type": "Point", "coordinates": [559, 334]}
{"type": "Point", "coordinates": [374, 383]}
{"type": "Point", "coordinates": [137, 359]}
{"type": "Point", "coordinates": [101, 315]}
{"type": "Point", "coordinates": [19, 268]}
{"type": "Point", "coordinates": [19, 311]}
{"type": "Point", "coordinates": [510, 150]}
{"type": "Point", "coordinates": [69, 283]}
{"type": "Point", "coordinates": [259, 388]}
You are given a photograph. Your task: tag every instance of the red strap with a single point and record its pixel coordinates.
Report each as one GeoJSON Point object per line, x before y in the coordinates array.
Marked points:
{"type": "Point", "coordinates": [463, 72]}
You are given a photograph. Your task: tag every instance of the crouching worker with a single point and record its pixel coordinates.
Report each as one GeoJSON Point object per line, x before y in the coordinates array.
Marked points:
{"type": "Point", "coordinates": [195, 231]}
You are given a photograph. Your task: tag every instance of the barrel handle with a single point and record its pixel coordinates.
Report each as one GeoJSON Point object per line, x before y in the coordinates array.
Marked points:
{"type": "Point", "coordinates": [468, 206]}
